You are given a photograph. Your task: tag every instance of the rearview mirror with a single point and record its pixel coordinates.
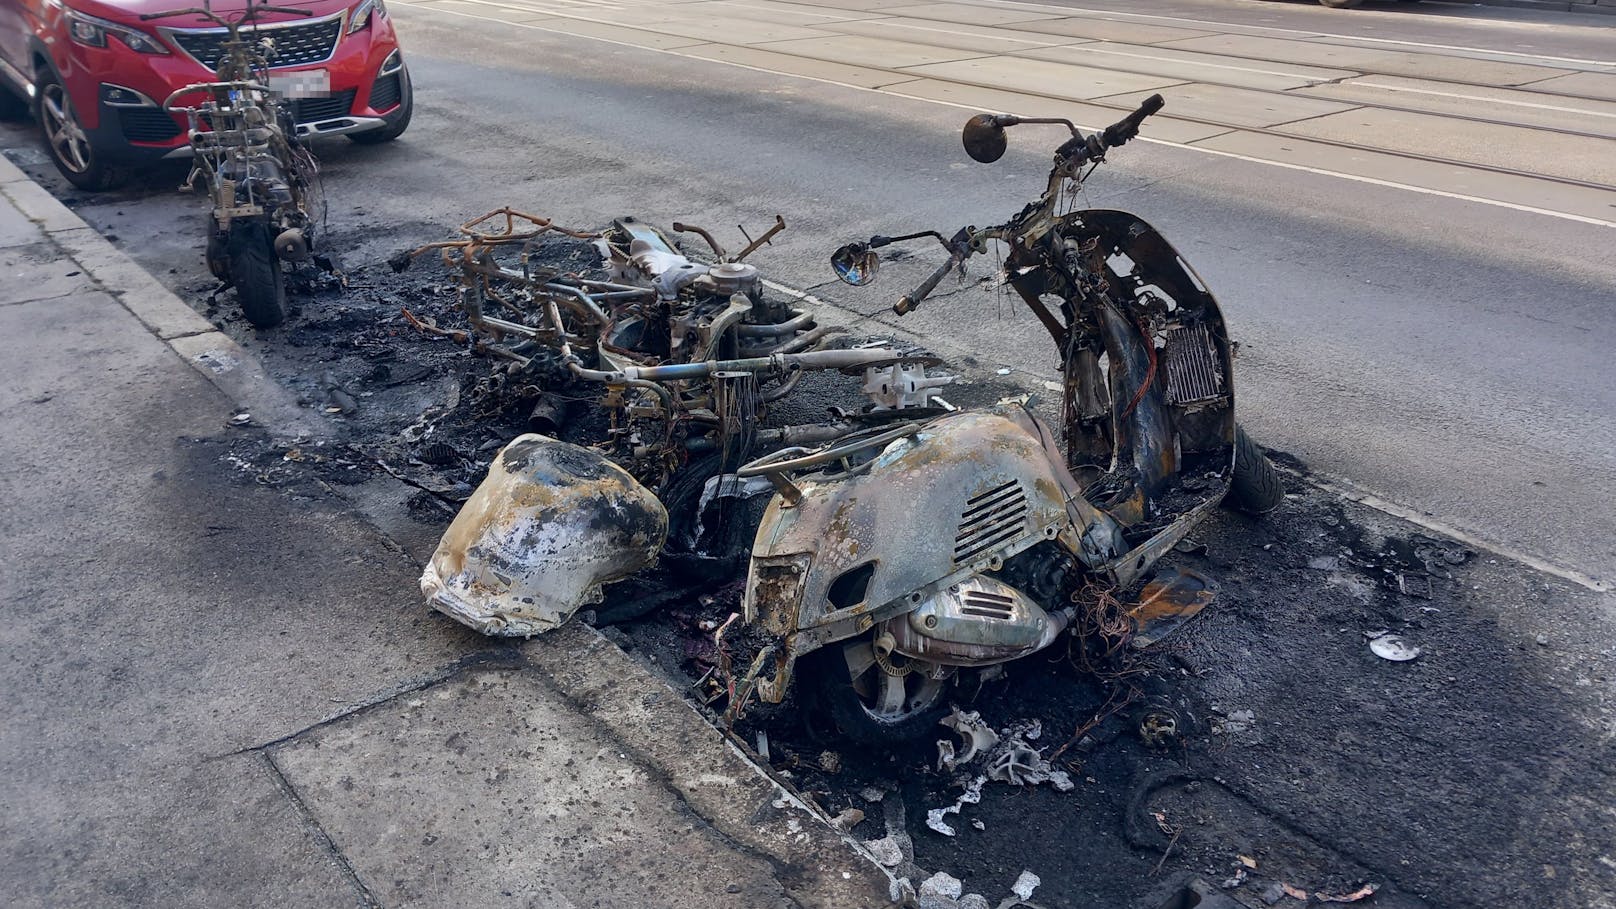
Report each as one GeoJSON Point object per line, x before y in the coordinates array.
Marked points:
{"type": "Point", "coordinates": [855, 264]}
{"type": "Point", "coordinates": [984, 138]}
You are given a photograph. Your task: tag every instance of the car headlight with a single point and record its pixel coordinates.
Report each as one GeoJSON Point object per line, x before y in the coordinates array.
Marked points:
{"type": "Point", "coordinates": [364, 12]}
{"type": "Point", "coordinates": [92, 32]}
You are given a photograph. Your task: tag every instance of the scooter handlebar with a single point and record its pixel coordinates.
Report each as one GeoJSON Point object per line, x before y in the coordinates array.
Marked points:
{"type": "Point", "coordinates": [907, 303]}
{"type": "Point", "coordinates": [1121, 131]}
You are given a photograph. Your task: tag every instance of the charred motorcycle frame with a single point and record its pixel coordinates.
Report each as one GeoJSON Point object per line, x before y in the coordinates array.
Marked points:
{"type": "Point", "coordinates": [677, 360]}
{"type": "Point", "coordinates": [262, 181]}
{"type": "Point", "coordinates": [891, 563]}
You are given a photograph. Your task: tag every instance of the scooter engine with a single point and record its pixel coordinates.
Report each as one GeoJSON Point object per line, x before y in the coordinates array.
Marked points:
{"type": "Point", "coordinates": [977, 622]}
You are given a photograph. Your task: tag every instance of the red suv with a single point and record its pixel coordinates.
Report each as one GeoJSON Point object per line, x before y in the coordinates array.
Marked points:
{"type": "Point", "coordinates": [97, 75]}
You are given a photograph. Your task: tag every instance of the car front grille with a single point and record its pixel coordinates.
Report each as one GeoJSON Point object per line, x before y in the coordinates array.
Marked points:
{"type": "Point", "coordinates": [297, 44]}
{"type": "Point", "coordinates": [312, 110]}
{"type": "Point", "coordinates": [385, 92]}
{"type": "Point", "coordinates": [147, 124]}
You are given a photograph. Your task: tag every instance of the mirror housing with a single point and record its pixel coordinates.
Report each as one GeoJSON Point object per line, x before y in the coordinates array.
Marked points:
{"type": "Point", "coordinates": [855, 264]}
{"type": "Point", "coordinates": [984, 137]}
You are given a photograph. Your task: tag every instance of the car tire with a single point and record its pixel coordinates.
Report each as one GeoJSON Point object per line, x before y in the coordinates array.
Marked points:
{"type": "Point", "coordinates": [1257, 488]}
{"type": "Point", "coordinates": [69, 147]}
{"type": "Point", "coordinates": [1341, 4]}
{"type": "Point", "coordinates": [392, 130]}
{"type": "Point", "coordinates": [256, 273]}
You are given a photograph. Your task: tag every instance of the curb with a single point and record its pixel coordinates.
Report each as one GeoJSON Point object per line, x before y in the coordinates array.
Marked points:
{"type": "Point", "coordinates": [237, 373]}
{"type": "Point", "coordinates": [822, 866]}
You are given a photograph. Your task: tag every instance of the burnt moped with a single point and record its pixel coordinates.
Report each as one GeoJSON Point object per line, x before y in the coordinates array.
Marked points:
{"type": "Point", "coordinates": [262, 181]}
{"type": "Point", "coordinates": [896, 561]}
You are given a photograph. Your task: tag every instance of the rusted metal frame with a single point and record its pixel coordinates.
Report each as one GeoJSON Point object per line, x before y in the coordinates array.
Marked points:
{"type": "Point", "coordinates": [462, 337]}
{"type": "Point", "coordinates": [799, 319]}
{"type": "Point", "coordinates": [809, 339]}
{"type": "Point", "coordinates": [593, 308]}
{"type": "Point", "coordinates": [1124, 570]}
{"type": "Point", "coordinates": [755, 245]}
{"type": "Point", "coordinates": [1057, 330]}
{"type": "Point", "coordinates": [741, 692]}
{"type": "Point", "coordinates": [542, 225]}
{"type": "Point", "coordinates": [774, 363]}
{"type": "Point", "coordinates": [680, 227]}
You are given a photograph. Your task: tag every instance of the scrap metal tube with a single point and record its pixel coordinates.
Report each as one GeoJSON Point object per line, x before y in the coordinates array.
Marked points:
{"type": "Point", "coordinates": [589, 303]}
{"type": "Point", "coordinates": [798, 319]}
{"type": "Point", "coordinates": [779, 362]}
{"type": "Point", "coordinates": [810, 338]}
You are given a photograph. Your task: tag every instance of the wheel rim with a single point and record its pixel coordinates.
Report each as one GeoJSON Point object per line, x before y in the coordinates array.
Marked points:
{"type": "Point", "coordinates": [890, 698]}
{"type": "Point", "coordinates": [67, 139]}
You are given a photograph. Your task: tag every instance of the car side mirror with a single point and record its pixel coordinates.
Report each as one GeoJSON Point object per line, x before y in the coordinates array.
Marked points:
{"type": "Point", "coordinates": [984, 138]}
{"type": "Point", "coordinates": [855, 264]}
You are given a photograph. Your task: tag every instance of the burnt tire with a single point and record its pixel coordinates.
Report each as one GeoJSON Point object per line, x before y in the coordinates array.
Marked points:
{"type": "Point", "coordinates": [1257, 488]}
{"type": "Point", "coordinates": [256, 274]}
{"type": "Point", "coordinates": [832, 688]}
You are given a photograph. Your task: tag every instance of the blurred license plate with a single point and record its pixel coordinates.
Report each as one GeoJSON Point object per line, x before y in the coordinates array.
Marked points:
{"type": "Point", "coordinates": [308, 83]}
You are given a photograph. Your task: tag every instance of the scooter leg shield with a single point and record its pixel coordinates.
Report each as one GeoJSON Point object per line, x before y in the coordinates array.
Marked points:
{"type": "Point", "coordinates": [550, 524]}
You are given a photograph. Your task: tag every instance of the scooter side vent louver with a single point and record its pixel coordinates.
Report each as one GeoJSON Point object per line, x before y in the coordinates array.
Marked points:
{"type": "Point", "coordinates": [1191, 359]}
{"type": "Point", "coordinates": [990, 520]}
{"type": "Point", "coordinates": [986, 605]}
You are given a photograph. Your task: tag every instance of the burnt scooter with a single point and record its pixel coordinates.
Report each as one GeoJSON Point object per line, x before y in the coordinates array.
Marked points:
{"type": "Point", "coordinates": [262, 181]}
{"type": "Point", "coordinates": [892, 563]}
{"type": "Point", "coordinates": [654, 384]}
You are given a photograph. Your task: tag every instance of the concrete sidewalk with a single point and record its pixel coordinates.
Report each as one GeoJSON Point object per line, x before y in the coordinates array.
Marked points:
{"type": "Point", "coordinates": [217, 695]}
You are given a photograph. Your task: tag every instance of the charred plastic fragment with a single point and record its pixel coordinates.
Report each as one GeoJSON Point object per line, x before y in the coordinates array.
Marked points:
{"type": "Point", "coordinates": [544, 531]}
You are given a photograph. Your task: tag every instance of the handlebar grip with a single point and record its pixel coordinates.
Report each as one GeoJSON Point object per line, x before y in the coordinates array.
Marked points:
{"type": "Point", "coordinates": [906, 304]}
{"type": "Point", "coordinates": [1121, 131]}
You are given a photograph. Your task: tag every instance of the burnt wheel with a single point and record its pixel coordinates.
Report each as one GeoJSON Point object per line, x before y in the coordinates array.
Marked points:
{"type": "Point", "coordinates": [256, 273]}
{"type": "Point", "coordinates": [1257, 488]}
{"type": "Point", "coordinates": [868, 704]}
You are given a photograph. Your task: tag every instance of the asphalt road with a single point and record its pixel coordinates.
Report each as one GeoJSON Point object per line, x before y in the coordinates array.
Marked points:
{"type": "Point", "coordinates": [1452, 356]}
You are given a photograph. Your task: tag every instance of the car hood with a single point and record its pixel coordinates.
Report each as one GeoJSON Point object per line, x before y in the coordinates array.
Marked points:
{"type": "Point", "coordinates": [130, 11]}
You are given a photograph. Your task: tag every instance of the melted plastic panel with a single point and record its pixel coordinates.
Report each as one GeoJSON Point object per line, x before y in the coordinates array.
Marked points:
{"type": "Point", "coordinates": [959, 492]}
{"type": "Point", "coordinates": [550, 524]}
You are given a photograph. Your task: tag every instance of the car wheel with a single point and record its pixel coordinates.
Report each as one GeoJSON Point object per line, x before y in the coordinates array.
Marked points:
{"type": "Point", "coordinates": [1341, 4]}
{"type": "Point", "coordinates": [68, 144]}
{"type": "Point", "coordinates": [391, 131]}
